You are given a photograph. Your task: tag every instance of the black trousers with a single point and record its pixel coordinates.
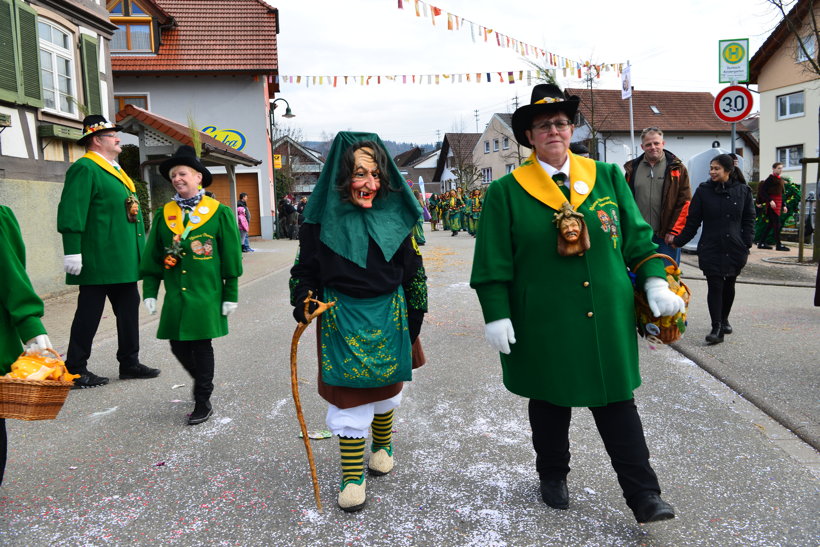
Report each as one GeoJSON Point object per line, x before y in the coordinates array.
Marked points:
{"type": "Point", "coordinates": [197, 357]}
{"type": "Point", "coordinates": [125, 301]}
{"type": "Point", "coordinates": [3, 448]}
{"type": "Point", "coordinates": [772, 226]}
{"type": "Point", "coordinates": [621, 430]}
{"type": "Point", "coordinates": [720, 296]}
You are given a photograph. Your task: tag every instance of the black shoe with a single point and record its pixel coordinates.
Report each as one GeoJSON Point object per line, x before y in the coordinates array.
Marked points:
{"type": "Point", "coordinates": [89, 379]}
{"type": "Point", "coordinates": [651, 508]}
{"type": "Point", "coordinates": [201, 413]}
{"type": "Point", "coordinates": [138, 371]}
{"type": "Point", "coordinates": [764, 246]}
{"type": "Point", "coordinates": [716, 335]}
{"type": "Point", "coordinates": [725, 327]}
{"type": "Point", "coordinates": [782, 248]}
{"type": "Point", "coordinates": [554, 493]}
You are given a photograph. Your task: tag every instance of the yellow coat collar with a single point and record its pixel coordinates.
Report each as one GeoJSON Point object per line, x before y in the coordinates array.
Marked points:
{"type": "Point", "coordinates": [121, 175]}
{"type": "Point", "coordinates": [173, 214]}
{"type": "Point", "coordinates": [537, 183]}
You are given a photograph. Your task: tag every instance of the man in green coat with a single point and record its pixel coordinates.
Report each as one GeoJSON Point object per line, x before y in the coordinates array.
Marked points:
{"type": "Point", "coordinates": [550, 269]}
{"type": "Point", "coordinates": [20, 308]}
{"type": "Point", "coordinates": [103, 235]}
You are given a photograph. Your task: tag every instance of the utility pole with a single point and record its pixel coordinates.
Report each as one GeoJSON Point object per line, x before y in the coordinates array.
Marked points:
{"type": "Point", "coordinates": [515, 103]}
{"type": "Point", "coordinates": [476, 120]}
{"type": "Point", "coordinates": [438, 136]}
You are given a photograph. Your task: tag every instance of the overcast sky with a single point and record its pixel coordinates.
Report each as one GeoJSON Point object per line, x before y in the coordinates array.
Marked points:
{"type": "Point", "coordinates": [671, 46]}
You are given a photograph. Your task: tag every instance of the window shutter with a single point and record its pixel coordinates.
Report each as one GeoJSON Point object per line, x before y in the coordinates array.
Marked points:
{"type": "Point", "coordinates": [31, 91]}
{"type": "Point", "coordinates": [8, 64]}
{"type": "Point", "coordinates": [91, 74]}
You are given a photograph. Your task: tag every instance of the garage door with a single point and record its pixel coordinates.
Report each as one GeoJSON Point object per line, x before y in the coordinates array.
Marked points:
{"type": "Point", "coordinates": [245, 182]}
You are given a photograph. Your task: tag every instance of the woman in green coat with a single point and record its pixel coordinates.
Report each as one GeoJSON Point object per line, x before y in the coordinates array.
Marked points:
{"type": "Point", "coordinates": [194, 248]}
{"type": "Point", "coordinates": [20, 308]}
{"type": "Point", "coordinates": [553, 245]}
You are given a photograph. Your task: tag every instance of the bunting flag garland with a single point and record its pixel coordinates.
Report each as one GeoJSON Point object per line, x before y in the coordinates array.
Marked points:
{"type": "Point", "coordinates": [455, 22]}
{"type": "Point", "coordinates": [567, 68]}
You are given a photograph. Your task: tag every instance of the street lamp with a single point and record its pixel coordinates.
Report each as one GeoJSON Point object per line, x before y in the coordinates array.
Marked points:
{"type": "Point", "coordinates": [288, 114]}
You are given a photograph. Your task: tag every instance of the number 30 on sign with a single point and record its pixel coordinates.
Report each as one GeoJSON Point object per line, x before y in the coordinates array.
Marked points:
{"type": "Point", "coordinates": [733, 103]}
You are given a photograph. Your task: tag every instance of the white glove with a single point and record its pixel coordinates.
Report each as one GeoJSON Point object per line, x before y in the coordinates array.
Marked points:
{"type": "Point", "coordinates": [661, 300]}
{"type": "Point", "coordinates": [229, 307]}
{"type": "Point", "coordinates": [150, 305]}
{"type": "Point", "coordinates": [500, 335]}
{"type": "Point", "coordinates": [38, 343]}
{"type": "Point", "coordinates": [73, 264]}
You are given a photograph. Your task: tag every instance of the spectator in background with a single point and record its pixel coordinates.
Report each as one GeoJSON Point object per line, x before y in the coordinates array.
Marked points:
{"type": "Point", "coordinates": [243, 202]}
{"type": "Point", "coordinates": [770, 195]}
{"type": "Point", "coordinates": [660, 183]}
{"type": "Point", "coordinates": [726, 209]}
{"type": "Point", "coordinates": [242, 222]}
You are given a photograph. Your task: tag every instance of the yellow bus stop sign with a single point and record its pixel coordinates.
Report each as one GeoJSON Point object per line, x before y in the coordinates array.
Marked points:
{"type": "Point", "coordinates": [277, 161]}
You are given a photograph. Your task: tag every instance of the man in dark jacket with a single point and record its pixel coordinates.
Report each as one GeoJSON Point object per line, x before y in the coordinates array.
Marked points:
{"type": "Point", "coordinates": [660, 183]}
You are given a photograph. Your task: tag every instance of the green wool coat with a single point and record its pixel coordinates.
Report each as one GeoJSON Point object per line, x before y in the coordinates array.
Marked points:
{"type": "Point", "coordinates": [93, 221]}
{"type": "Point", "coordinates": [20, 307]}
{"type": "Point", "coordinates": [205, 276]}
{"type": "Point", "coordinates": [574, 316]}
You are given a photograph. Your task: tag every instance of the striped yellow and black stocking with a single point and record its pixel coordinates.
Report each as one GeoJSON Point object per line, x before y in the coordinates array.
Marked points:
{"type": "Point", "coordinates": [352, 451]}
{"type": "Point", "coordinates": [382, 430]}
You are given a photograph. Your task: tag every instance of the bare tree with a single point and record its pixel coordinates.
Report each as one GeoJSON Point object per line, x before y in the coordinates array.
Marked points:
{"type": "Point", "coordinates": [802, 26]}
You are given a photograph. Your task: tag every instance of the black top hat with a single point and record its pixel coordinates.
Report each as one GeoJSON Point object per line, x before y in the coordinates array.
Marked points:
{"type": "Point", "coordinates": [95, 123]}
{"type": "Point", "coordinates": [185, 155]}
{"type": "Point", "coordinates": [546, 99]}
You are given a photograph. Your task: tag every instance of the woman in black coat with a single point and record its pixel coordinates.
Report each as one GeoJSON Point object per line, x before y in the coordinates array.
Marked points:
{"type": "Point", "coordinates": [725, 207]}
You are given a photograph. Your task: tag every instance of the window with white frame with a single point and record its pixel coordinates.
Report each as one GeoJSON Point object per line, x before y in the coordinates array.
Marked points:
{"type": "Point", "coordinates": [57, 68]}
{"type": "Point", "coordinates": [509, 167]}
{"type": "Point", "coordinates": [486, 147]}
{"type": "Point", "coordinates": [487, 174]}
{"type": "Point", "coordinates": [505, 143]}
{"type": "Point", "coordinates": [790, 106]}
{"type": "Point", "coordinates": [495, 145]}
{"type": "Point", "coordinates": [790, 156]}
{"type": "Point", "coordinates": [810, 43]}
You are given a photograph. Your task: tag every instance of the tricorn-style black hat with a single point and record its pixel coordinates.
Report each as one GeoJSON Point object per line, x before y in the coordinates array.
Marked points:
{"type": "Point", "coordinates": [185, 155]}
{"type": "Point", "coordinates": [546, 99]}
{"type": "Point", "coordinates": [95, 123]}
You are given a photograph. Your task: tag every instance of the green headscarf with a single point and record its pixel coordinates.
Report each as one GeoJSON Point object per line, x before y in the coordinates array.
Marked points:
{"type": "Point", "coordinates": [346, 228]}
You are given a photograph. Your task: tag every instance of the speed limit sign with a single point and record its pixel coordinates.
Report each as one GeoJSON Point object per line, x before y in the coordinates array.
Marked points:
{"type": "Point", "coordinates": [733, 103]}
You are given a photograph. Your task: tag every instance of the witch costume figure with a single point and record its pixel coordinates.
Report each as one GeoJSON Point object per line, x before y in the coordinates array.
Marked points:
{"type": "Point", "coordinates": [356, 250]}
{"type": "Point", "coordinates": [195, 249]}
{"type": "Point", "coordinates": [550, 269]}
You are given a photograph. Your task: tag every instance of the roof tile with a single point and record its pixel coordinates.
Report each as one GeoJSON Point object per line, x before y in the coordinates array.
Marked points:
{"type": "Point", "coordinates": [680, 111]}
{"type": "Point", "coordinates": [225, 36]}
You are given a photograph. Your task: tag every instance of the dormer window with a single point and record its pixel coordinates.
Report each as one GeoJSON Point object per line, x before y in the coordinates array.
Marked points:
{"type": "Point", "coordinates": [654, 109]}
{"type": "Point", "coordinates": [134, 27]}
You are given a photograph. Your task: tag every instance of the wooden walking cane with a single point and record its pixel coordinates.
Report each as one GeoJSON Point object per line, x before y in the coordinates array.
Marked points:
{"type": "Point", "coordinates": [294, 385]}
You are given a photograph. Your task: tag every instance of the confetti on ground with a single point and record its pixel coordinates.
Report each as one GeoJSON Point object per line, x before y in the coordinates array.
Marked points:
{"type": "Point", "coordinates": [322, 434]}
{"type": "Point", "coordinates": [177, 386]}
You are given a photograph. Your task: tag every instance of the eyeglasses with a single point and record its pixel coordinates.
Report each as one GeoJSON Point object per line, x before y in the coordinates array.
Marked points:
{"type": "Point", "coordinates": [546, 127]}
{"type": "Point", "coordinates": [108, 135]}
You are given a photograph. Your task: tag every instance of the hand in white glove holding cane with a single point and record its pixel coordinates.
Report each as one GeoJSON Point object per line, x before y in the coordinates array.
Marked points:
{"type": "Point", "coordinates": [500, 335]}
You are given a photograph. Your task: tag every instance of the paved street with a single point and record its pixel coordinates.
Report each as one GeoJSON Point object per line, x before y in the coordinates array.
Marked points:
{"type": "Point", "coordinates": [119, 465]}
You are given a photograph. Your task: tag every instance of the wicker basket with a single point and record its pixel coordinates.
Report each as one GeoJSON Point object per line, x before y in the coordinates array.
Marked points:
{"type": "Point", "coordinates": [661, 329]}
{"type": "Point", "coordinates": [32, 399]}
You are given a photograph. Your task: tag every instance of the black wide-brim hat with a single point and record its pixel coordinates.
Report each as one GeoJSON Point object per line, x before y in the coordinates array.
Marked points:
{"type": "Point", "coordinates": [546, 99]}
{"type": "Point", "coordinates": [95, 123]}
{"type": "Point", "coordinates": [185, 155]}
